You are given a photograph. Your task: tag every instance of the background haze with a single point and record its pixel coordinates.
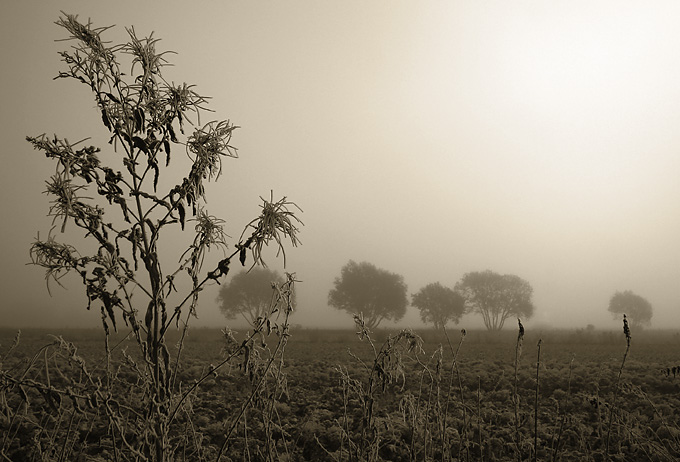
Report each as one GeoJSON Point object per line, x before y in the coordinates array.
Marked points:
{"type": "Point", "coordinates": [429, 138]}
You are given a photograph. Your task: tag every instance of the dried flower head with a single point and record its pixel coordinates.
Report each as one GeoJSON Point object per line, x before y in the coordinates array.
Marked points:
{"type": "Point", "coordinates": [57, 258]}
{"type": "Point", "coordinates": [206, 146]}
{"type": "Point", "coordinates": [144, 52]}
{"type": "Point", "coordinates": [276, 222]}
{"type": "Point", "coordinates": [87, 34]}
{"type": "Point", "coordinates": [520, 335]}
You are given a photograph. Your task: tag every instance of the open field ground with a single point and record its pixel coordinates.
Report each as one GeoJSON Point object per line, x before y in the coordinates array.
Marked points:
{"type": "Point", "coordinates": [336, 392]}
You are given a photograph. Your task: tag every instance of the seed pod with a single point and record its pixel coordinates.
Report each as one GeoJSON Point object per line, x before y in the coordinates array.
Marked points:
{"type": "Point", "coordinates": [171, 132]}
{"type": "Point", "coordinates": [182, 213]}
{"type": "Point", "coordinates": [104, 323]}
{"type": "Point", "coordinates": [139, 119]}
{"type": "Point", "coordinates": [148, 319]}
{"type": "Point", "coordinates": [166, 146]}
{"type": "Point", "coordinates": [106, 120]}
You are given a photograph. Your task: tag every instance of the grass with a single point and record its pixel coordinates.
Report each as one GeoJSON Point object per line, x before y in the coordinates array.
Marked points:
{"type": "Point", "coordinates": [391, 398]}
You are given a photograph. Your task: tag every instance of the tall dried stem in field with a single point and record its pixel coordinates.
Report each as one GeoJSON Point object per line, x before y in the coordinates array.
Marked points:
{"type": "Point", "coordinates": [515, 395]}
{"type": "Point", "coordinates": [538, 366]}
{"type": "Point", "coordinates": [454, 368]}
{"type": "Point", "coordinates": [386, 368]}
{"type": "Point", "coordinates": [612, 410]}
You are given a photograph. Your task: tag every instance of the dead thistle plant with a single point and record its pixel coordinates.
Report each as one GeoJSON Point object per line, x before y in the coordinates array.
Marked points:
{"type": "Point", "coordinates": [135, 197]}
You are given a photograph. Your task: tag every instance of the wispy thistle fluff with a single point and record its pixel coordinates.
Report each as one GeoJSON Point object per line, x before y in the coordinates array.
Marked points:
{"type": "Point", "coordinates": [206, 146]}
{"type": "Point", "coordinates": [144, 53]}
{"type": "Point", "coordinates": [276, 222]}
{"type": "Point", "coordinates": [94, 54]}
{"type": "Point", "coordinates": [57, 258]}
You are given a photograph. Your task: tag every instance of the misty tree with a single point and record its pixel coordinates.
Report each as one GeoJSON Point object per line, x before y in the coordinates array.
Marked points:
{"type": "Point", "coordinates": [125, 200]}
{"type": "Point", "coordinates": [249, 294]}
{"type": "Point", "coordinates": [439, 305]}
{"type": "Point", "coordinates": [496, 297]}
{"type": "Point", "coordinates": [635, 307]}
{"type": "Point", "coordinates": [372, 292]}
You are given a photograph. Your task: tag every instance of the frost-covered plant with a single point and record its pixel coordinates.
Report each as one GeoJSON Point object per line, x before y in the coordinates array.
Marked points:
{"type": "Point", "coordinates": [361, 440]}
{"type": "Point", "coordinates": [125, 201]}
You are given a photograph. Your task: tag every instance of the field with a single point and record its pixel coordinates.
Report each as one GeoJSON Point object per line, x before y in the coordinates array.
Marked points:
{"type": "Point", "coordinates": [339, 399]}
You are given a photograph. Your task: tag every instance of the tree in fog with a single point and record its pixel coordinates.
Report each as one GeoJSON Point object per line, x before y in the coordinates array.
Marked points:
{"type": "Point", "coordinates": [377, 294]}
{"type": "Point", "coordinates": [249, 294]}
{"type": "Point", "coordinates": [496, 297]}
{"type": "Point", "coordinates": [439, 305]}
{"type": "Point", "coordinates": [635, 307]}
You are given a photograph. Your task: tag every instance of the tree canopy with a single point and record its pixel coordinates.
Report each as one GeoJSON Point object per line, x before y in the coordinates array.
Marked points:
{"type": "Point", "coordinates": [637, 308]}
{"type": "Point", "coordinates": [374, 292]}
{"type": "Point", "coordinates": [496, 296]}
{"type": "Point", "coordinates": [439, 305]}
{"type": "Point", "coordinates": [249, 294]}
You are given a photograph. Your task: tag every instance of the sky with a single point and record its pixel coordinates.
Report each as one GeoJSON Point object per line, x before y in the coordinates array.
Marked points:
{"type": "Point", "coordinates": [430, 138]}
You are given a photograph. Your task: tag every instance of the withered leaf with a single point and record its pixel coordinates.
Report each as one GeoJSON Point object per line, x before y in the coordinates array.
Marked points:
{"type": "Point", "coordinates": [166, 145]}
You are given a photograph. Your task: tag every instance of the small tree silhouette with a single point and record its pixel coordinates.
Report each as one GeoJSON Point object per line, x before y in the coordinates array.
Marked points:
{"type": "Point", "coordinates": [438, 305]}
{"type": "Point", "coordinates": [248, 294]}
{"type": "Point", "coordinates": [638, 309]}
{"type": "Point", "coordinates": [375, 293]}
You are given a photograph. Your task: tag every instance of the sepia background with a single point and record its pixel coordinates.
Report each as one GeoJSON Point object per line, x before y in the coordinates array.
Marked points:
{"type": "Point", "coordinates": [429, 138]}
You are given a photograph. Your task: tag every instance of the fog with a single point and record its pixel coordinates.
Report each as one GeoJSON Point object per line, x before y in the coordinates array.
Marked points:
{"type": "Point", "coordinates": [429, 138]}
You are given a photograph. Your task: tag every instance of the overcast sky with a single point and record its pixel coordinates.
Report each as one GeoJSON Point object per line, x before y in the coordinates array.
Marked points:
{"type": "Point", "coordinates": [430, 138]}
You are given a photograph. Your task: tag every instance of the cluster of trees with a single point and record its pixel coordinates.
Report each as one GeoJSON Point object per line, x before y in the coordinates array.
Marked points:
{"type": "Point", "coordinates": [378, 295]}
{"type": "Point", "coordinates": [381, 295]}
